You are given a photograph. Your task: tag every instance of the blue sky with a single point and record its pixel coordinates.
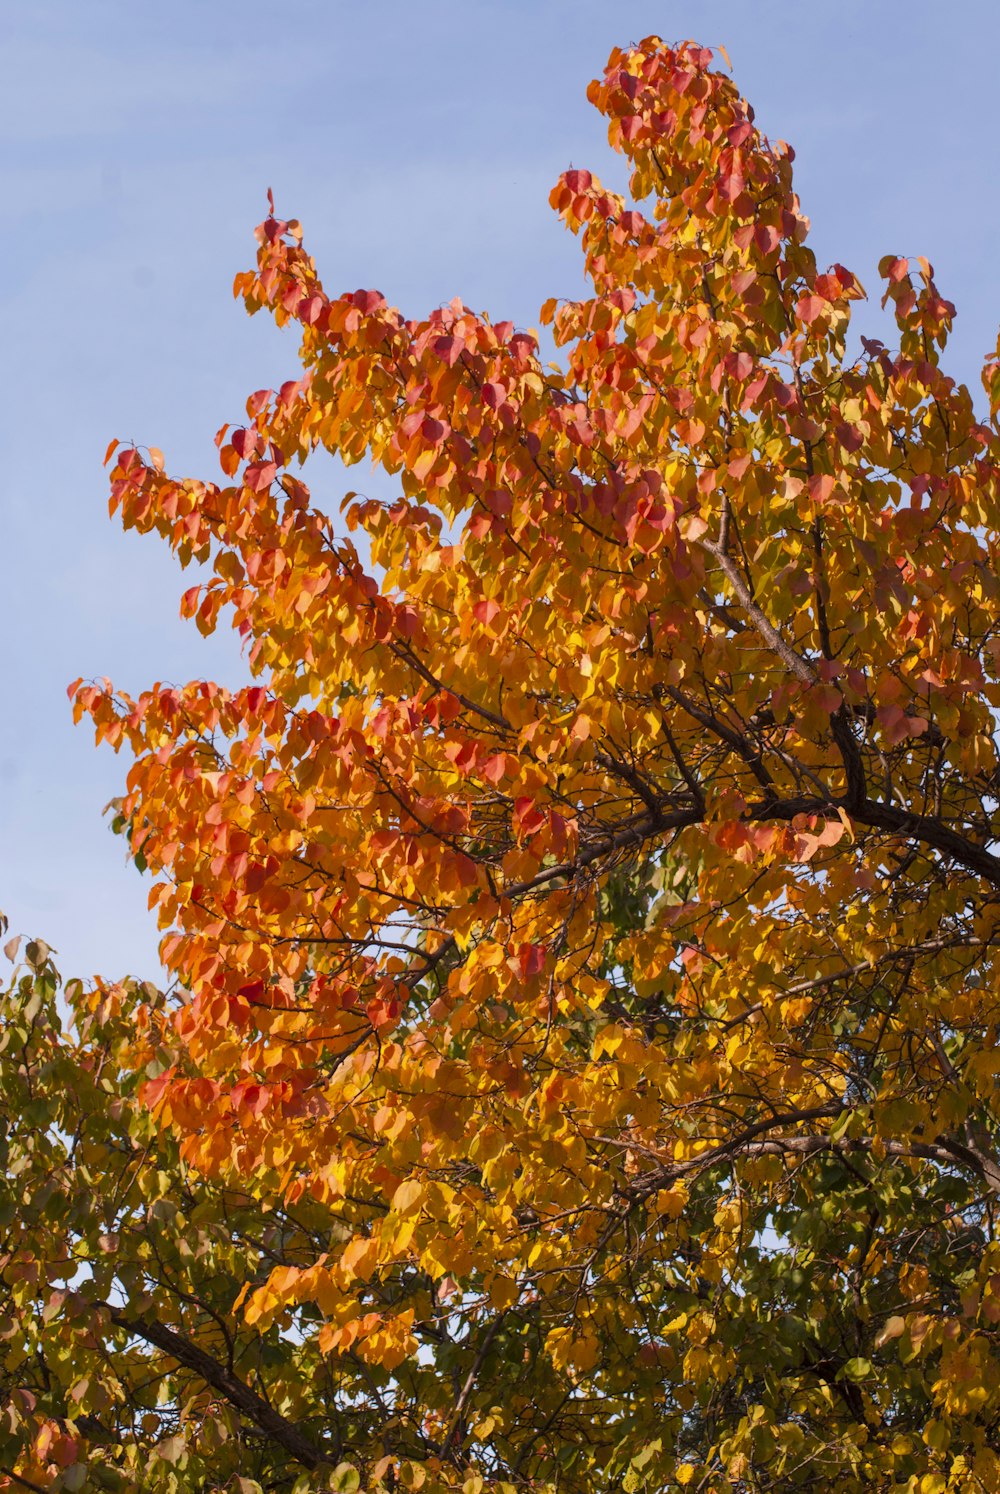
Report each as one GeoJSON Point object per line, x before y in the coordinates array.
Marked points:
{"type": "Point", "coordinates": [417, 143]}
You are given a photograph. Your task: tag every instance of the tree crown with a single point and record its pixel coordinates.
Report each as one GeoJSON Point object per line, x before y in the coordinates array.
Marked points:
{"type": "Point", "coordinates": [587, 909]}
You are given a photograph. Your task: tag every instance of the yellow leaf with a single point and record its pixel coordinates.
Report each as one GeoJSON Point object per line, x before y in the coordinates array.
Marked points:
{"type": "Point", "coordinates": [407, 1196]}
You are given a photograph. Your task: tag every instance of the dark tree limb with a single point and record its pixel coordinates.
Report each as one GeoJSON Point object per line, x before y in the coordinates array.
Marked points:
{"type": "Point", "coordinates": [236, 1391]}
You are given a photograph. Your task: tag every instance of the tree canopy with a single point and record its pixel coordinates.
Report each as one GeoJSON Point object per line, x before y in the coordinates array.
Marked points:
{"type": "Point", "coordinates": [581, 1066]}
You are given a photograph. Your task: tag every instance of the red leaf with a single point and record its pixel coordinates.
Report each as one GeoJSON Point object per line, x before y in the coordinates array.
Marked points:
{"type": "Point", "coordinates": [448, 349]}
{"type": "Point", "coordinates": [368, 300]}
{"type": "Point", "coordinates": [485, 611]}
{"type": "Point", "coordinates": [310, 310]}
{"type": "Point", "coordinates": [494, 768]}
{"type": "Point", "coordinates": [897, 725]}
{"type": "Point", "coordinates": [528, 818]}
{"type": "Point", "coordinates": [245, 442]}
{"type": "Point", "coordinates": [894, 269]}
{"type": "Point", "coordinates": [827, 697]}
{"type": "Point", "coordinates": [766, 237]}
{"type": "Point", "coordinates": [260, 476]}
{"type": "Point", "coordinates": [809, 308]}
{"type": "Point", "coordinates": [252, 1097]}
{"type": "Point", "coordinates": [190, 600]}
{"type": "Point", "coordinates": [821, 487]}
{"type": "Point", "coordinates": [828, 286]}
{"type": "Point", "coordinates": [154, 1089]}
{"type": "Point", "coordinates": [462, 755]}
{"type": "Point", "coordinates": [531, 959]}
{"type": "Point", "coordinates": [498, 502]}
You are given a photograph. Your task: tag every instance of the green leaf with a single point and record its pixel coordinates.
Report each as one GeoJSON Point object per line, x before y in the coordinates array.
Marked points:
{"type": "Point", "coordinates": [345, 1479]}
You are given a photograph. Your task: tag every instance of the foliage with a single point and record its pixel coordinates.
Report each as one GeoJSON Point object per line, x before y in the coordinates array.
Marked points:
{"type": "Point", "coordinates": [588, 910]}
{"type": "Point", "coordinates": [122, 1362]}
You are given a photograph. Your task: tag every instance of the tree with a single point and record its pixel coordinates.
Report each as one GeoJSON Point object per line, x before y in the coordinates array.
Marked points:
{"type": "Point", "coordinates": [588, 909]}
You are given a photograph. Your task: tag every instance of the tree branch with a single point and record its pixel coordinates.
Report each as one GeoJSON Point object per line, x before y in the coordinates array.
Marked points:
{"type": "Point", "coordinates": [469, 1385]}
{"type": "Point", "coordinates": [236, 1391]}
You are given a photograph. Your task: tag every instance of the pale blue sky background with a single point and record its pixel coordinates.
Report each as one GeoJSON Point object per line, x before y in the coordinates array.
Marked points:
{"type": "Point", "coordinates": [417, 142]}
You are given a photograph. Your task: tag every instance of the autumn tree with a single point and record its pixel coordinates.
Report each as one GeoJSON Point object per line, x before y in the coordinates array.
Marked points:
{"type": "Point", "coordinates": [588, 907]}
